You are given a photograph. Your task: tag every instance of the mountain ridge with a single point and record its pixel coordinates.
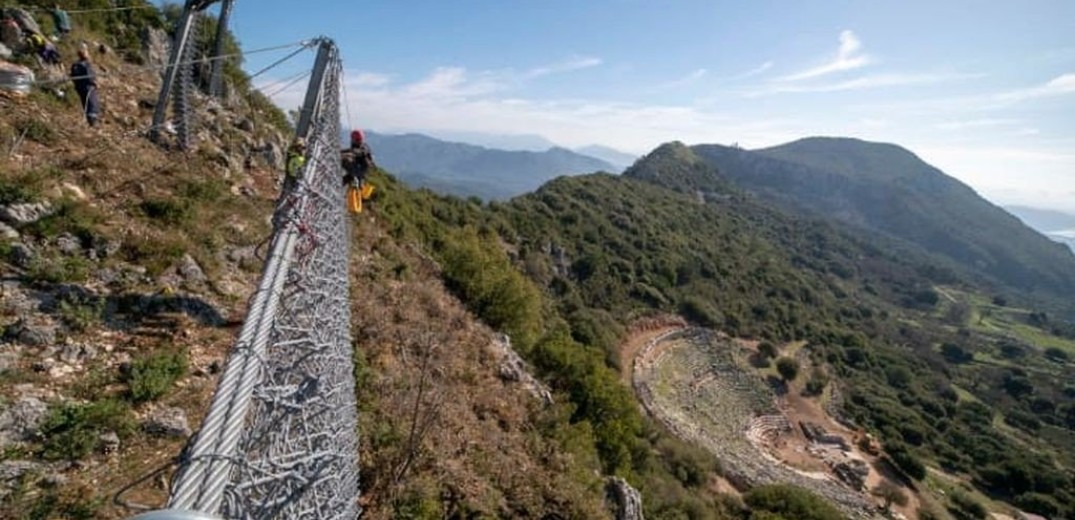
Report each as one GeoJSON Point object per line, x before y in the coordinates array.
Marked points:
{"type": "Point", "coordinates": [470, 170]}
{"type": "Point", "coordinates": [887, 189]}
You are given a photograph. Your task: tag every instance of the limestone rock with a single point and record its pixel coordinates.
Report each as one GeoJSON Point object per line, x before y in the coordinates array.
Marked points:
{"type": "Point", "coordinates": [156, 46]}
{"type": "Point", "coordinates": [8, 232]}
{"type": "Point", "coordinates": [626, 500]}
{"type": "Point", "coordinates": [23, 213]}
{"type": "Point", "coordinates": [109, 442]}
{"type": "Point", "coordinates": [69, 244]}
{"type": "Point", "coordinates": [167, 422]}
{"type": "Point", "coordinates": [33, 334]}
{"type": "Point", "coordinates": [22, 255]}
{"type": "Point", "coordinates": [21, 420]}
{"type": "Point", "coordinates": [190, 270]}
{"type": "Point", "coordinates": [513, 369]}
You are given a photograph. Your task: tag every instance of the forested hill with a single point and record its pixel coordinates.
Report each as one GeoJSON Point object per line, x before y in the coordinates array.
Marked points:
{"type": "Point", "coordinates": [887, 189]}
{"type": "Point", "coordinates": [466, 170]}
{"type": "Point", "coordinates": [945, 378]}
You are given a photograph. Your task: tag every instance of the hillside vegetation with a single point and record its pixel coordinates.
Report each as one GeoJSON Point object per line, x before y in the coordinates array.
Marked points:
{"type": "Point", "coordinates": [886, 189]}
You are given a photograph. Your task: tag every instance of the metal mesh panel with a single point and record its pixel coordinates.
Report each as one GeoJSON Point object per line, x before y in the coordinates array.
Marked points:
{"type": "Point", "coordinates": [280, 439]}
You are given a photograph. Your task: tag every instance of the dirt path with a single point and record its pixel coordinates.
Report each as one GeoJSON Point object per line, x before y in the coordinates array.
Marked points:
{"type": "Point", "coordinates": [642, 333]}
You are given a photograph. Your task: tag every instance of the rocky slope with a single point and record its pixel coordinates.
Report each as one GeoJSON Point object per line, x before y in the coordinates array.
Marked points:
{"type": "Point", "coordinates": [125, 270]}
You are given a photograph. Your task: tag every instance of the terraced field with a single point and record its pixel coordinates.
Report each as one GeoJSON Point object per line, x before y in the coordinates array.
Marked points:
{"type": "Point", "coordinates": [692, 381]}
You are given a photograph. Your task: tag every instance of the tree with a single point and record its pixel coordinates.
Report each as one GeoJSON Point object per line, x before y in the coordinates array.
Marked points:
{"type": "Point", "coordinates": [890, 493]}
{"type": "Point", "coordinates": [1056, 354]}
{"type": "Point", "coordinates": [955, 354]}
{"type": "Point", "coordinates": [766, 350]}
{"type": "Point", "coordinates": [788, 368]}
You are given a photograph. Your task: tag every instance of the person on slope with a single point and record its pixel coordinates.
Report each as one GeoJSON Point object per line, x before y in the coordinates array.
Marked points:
{"type": "Point", "coordinates": [85, 81]}
{"type": "Point", "coordinates": [357, 160]}
{"type": "Point", "coordinates": [44, 49]}
{"type": "Point", "coordinates": [61, 20]}
{"type": "Point", "coordinates": [296, 159]}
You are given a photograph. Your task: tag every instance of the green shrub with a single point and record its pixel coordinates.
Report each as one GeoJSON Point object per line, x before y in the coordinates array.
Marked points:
{"type": "Point", "coordinates": [168, 211]}
{"type": "Point", "coordinates": [78, 218]}
{"type": "Point", "coordinates": [701, 312]}
{"type": "Point", "coordinates": [788, 368]}
{"type": "Point", "coordinates": [905, 460]}
{"type": "Point", "coordinates": [152, 376]}
{"type": "Point", "coordinates": [790, 502]}
{"type": "Point", "coordinates": [205, 190]}
{"type": "Point", "coordinates": [17, 190]}
{"type": "Point", "coordinates": [1057, 354]}
{"type": "Point", "coordinates": [36, 130]}
{"type": "Point", "coordinates": [965, 507]}
{"type": "Point", "coordinates": [1037, 503]}
{"type": "Point", "coordinates": [155, 254]}
{"type": "Point", "coordinates": [64, 269]}
{"type": "Point", "coordinates": [79, 316]}
{"type": "Point", "coordinates": [73, 431]}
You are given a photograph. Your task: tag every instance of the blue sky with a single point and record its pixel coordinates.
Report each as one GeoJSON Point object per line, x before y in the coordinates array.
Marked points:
{"type": "Point", "coordinates": [985, 90]}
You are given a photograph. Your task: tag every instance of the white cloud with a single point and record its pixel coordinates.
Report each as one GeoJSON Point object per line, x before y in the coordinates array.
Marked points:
{"type": "Point", "coordinates": [687, 79]}
{"type": "Point", "coordinates": [975, 123]}
{"type": "Point", "coordinates": [760, 69]}
{"type": "Point", "coordinates": [1060, 85]}
{"type": "Point", "coordinates": [454, 82]}
{"type": "Point", "coordinates": [371, 79]}
{"type": "Point", "coordinates": [860, 83]}
{"type": "Point", "coordinates": [454, 99]}
{"type": "Point", "coordinates": [847, 57]}
{"type": "Point", "coordinates": [569, 65]}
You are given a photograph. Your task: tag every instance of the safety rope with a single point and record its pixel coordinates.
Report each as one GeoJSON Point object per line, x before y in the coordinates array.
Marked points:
{"type": "Point", "coordinates": [303, 44]}
{"type": "Point", "coordinates": [85, 11]}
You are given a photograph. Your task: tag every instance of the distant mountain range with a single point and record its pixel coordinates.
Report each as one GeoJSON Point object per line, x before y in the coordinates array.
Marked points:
{"type": "Point", "coordinates": [886, 189]}
{"type": "Point", "coordinates": [610, 155]}
{"type": "Point", "coordinates": [1056, 225]}
{"type": "Point", "coordinates": [469, 170]}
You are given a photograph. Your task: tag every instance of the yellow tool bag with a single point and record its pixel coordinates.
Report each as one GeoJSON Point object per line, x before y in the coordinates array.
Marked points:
{"type": "Point", "coordinates": [354, 200]}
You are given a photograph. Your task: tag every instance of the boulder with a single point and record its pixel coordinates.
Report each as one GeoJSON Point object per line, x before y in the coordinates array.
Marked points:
{"type": "Point", "coordinates": [69, 244]}
{"type": "Point", "coordinates": [21, 420]}
{"type": "Point", "coordinates": [22, 255]}
{"type": "Point", "coordinates": [189, 269]}
{"type": "Point", "coordinates": [33, 334]}
{"type": "Point", "coordinates": [23, 213]}
{"type": "Point", "coordinates": [626, 500]}
{"type": "Point", "coordinates": [156, 46]}
{"type": "Point", "coordinates": [513, 369]}
{"type": "Point", "coordinates": [25, 20]}
{"type": "Point", "coordinates": [75, 354]}
{"type": "Point", "coordinates": [109, 442]}
{"type": "Point", "coordinates": [5, 53]}
{"type": "Point", "coordinates": [13, 473]}
{"type": "Point", "coordinates": [8, 232]}
{"type": "Point", "coordinates": [167, 422]}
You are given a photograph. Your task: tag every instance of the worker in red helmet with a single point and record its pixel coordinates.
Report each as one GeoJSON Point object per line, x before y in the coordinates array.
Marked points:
{"type": "Point", "coordinates": [357, 160]}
